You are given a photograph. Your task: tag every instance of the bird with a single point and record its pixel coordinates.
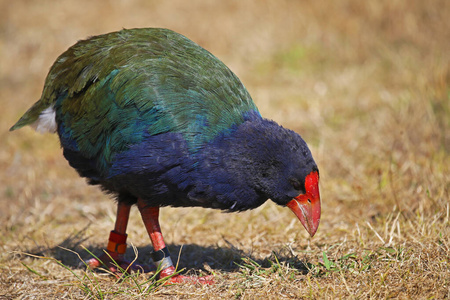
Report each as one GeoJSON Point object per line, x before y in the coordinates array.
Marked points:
{"type": "Point", "coordinates": [156, 120]}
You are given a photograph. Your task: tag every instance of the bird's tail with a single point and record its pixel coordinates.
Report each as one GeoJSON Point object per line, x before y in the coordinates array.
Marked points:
{"type": "Point", "coordinates": [40, 116]}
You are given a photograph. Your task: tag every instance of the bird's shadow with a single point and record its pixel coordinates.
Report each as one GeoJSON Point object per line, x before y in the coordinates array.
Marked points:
{"type": "Point", "coordinates": [189, 257]}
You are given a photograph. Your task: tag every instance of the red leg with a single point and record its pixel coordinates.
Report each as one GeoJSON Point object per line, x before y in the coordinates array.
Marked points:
{"type": "Point", "coordinates": [117, 244]}
{"type": "Point", "coordinates": [150, 217]}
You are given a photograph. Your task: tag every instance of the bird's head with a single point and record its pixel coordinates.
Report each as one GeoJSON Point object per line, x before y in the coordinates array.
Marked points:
{"type": "Point", "coordinates": [301, 194]}
{"type": "Point", "coordinates": [290, 177]}
{"type": "Point", "coordinates": [279, 165]}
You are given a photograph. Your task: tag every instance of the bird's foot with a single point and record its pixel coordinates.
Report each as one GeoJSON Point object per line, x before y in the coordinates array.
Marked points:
{"type": "Point", "coordinates": [177, 278]}
{"type": "Point", "coordinates": [116, 263]}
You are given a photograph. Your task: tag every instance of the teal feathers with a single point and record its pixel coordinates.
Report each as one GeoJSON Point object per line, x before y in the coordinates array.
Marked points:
{"type": "Point", "coordinates": [114, 88]}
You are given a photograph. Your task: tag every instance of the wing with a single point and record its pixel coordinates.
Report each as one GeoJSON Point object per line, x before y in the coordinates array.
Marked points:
{"type": "Point", "coordinates": [111, 91]}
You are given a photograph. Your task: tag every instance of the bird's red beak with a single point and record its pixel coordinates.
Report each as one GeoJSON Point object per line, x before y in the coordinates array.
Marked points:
{"type": "Point", "coordinates": [307, 206]}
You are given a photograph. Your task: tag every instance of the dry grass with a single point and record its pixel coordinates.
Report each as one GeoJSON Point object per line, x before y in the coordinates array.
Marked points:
{"type": "Point", "coordinates": [365, 83]}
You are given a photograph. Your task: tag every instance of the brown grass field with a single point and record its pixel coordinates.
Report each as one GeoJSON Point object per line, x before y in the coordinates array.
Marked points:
{"type": "Point", "coordinates": [367, 85]}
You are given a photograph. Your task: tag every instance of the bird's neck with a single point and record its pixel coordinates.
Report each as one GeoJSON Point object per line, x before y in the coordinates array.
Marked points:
{"type": "Point", "coordinates": [236, 163]}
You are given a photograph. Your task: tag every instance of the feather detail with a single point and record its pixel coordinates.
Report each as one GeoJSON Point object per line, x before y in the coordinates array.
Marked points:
{"type": "Point", "coordinates": [46, 121]}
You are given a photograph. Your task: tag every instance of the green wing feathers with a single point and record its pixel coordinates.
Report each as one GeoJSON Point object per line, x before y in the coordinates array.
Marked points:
{"type": "Point", "coordinates": [116, 87]}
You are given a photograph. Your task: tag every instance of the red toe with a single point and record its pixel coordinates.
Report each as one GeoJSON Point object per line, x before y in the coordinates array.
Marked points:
{"type": "Point", "coordinates": [184, 279]}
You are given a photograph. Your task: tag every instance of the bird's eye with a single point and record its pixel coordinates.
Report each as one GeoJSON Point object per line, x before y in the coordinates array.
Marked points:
{"type": "Point", "coordinates": [296, 184]}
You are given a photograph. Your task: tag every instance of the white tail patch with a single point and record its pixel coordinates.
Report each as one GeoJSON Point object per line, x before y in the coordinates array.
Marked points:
{"type": "Point", "coordinates": [46, 121]}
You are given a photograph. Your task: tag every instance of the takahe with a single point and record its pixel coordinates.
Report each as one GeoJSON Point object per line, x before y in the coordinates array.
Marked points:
{"type": "Point", "coordinates": [157, 120]}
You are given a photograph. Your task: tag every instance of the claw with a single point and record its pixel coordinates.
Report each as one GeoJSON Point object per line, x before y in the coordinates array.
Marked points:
{"type": "Point", "coordinates": [184, 279]}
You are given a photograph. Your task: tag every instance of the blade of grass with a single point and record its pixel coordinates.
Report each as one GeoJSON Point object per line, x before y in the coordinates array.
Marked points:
{"type": "Point", "coordinates": [34, 271]}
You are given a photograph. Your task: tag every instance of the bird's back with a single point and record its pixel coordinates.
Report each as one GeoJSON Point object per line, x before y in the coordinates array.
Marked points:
{"type": "Point", "coordinates": [112, 91]}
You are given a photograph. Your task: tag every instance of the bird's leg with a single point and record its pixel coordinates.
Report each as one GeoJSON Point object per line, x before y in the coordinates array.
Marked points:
{"type": "Point", "coordinates": [161, 256]}
{"type": "Point", "coordinates": [117, 245]}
